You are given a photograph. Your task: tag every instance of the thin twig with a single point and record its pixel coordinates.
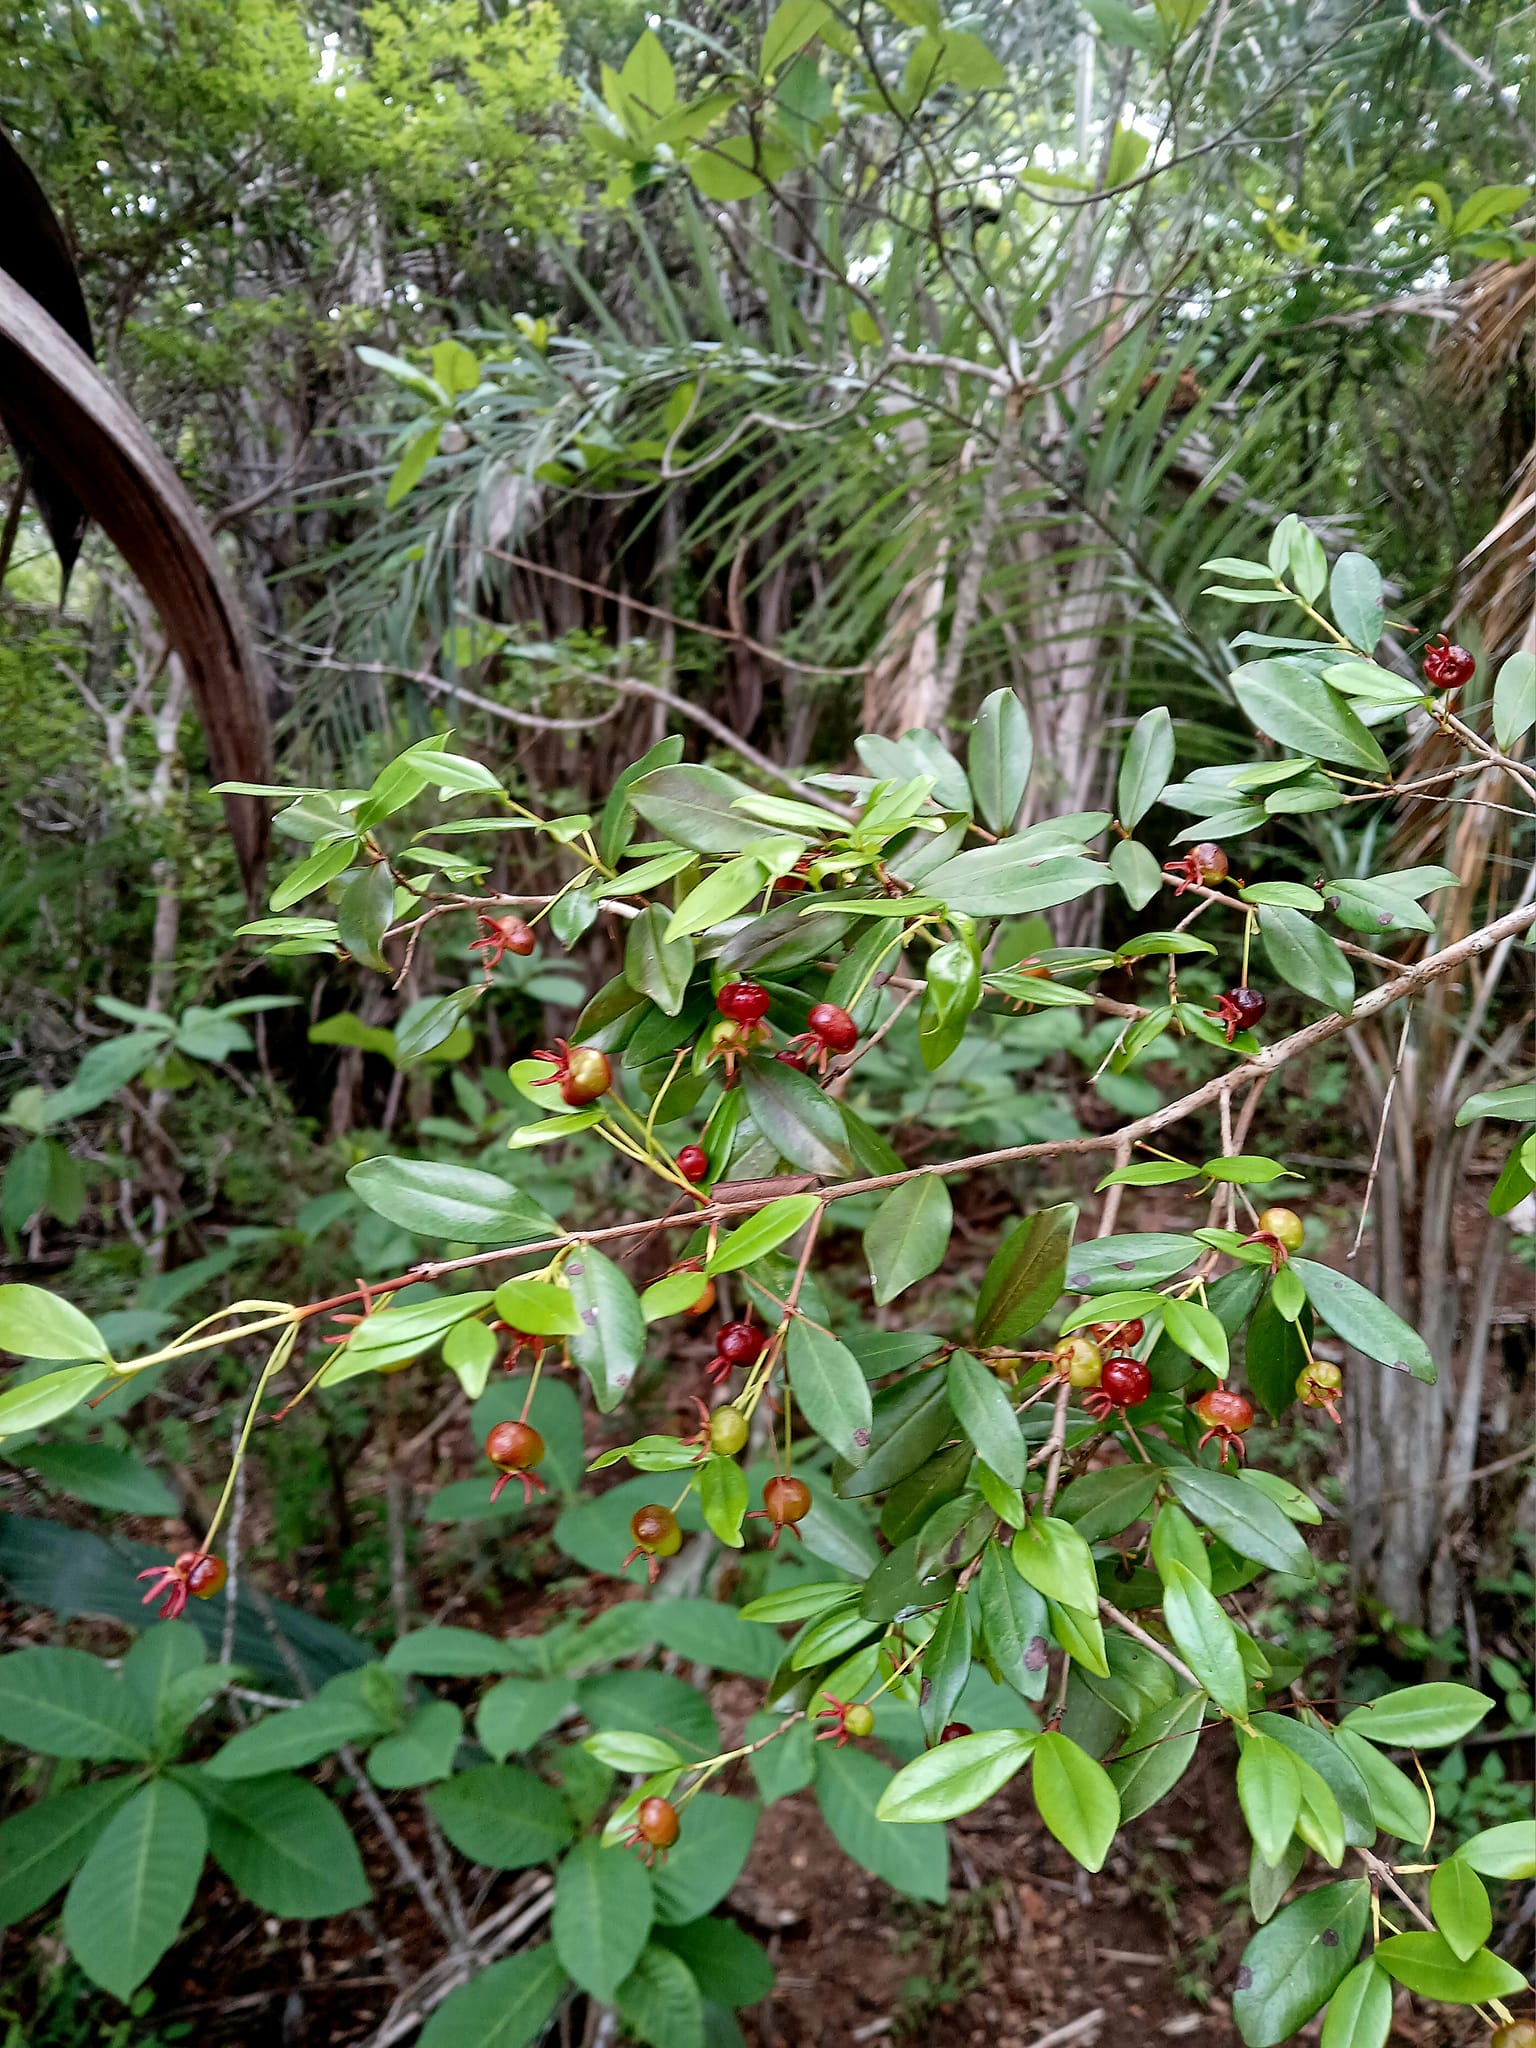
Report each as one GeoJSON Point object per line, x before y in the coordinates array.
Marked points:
{"type": "Point", "coordinates": [1148, 1642]}
{"type": "Point", "coordinates": [1381, 1129]}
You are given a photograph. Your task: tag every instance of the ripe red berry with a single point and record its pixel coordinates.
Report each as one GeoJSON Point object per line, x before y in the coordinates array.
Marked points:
{"type": "Point", "coordinates": [1124, 1382]}
{"type": "Point", "coordinates": [1227, 1415]}
{"type": "Point", "coordinates": [744, 1002]}
{"type": "Point", "coordinates": [656, 1822]}
{"type": "Point", "coordinates": [513, 1446]}
{"type": "Point", "coordinates": [741, 1343]}
{"type": "Point", "coordinates": [692, 1162]}
{"type": "Point", "coordinates": [954, 1730]}
{"type": "Point", "coordinates": [787, 1500]}
{"type": "Point", "coordinates": [790, 1058]}
{"type": "Point", "coordinates": [833, 1026]}
{"type": "Point", "coordinates": [1447, 666]}
{"type": "Point", "coordinates": [1240, 1009]}
{"type": "Point", "coordinates": [206, 1574]}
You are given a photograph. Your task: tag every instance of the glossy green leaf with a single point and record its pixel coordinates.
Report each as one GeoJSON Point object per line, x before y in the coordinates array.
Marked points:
{"type": "Point", "coordinates": [1135, 868]}
{"type": "Point", "coordinates": [1156, 1753]}
{"type": "Point", "coordinates": [658, 963]}
{"type": "Point", "coordinates": [1193, 1327]}
{"type": "Point", "coordinates": [1105, 1502]}
{"type": "Point", "coordinates": [1514, 700]}
{"type": "Point", "coordinates": [1245, 1519]}
{"type": "Point", "coordinates": [1360, 1319]}
{"type": "Point", "coordinates": [999, 758]}
{"type": "Point", "coordinates": [1057, 1562]}
{"type": "Point", "coordinates": [1076, 1797]}
{"type": "Point", "coordinates": [1507, 1852]}
{"type": "Point", "coordinates": [957, 1776]}
{"type": "Point", "coordinates": [830, 1389]}
{"type": "Point", "coordinates": [1294, 1965]}
{"type": "Point", "coordinates": [1269, 1792]}
{"type": "Point", "coordinates": [694, 806]}
{"type": "Point", "coordinates": [1360, 2011]}
{"type": "Point", "coordinates": [1129, 1262]}
{"type": "Point", "coordinates": [1420, 1716]}
{"type": "Point", "coordinates": [762, 1233]}
{"type": "Point", "coordinates": [1459, 1907]}
{"type": "Point", "coordinates": [1428, 1965]}
{"type": "Point", "coordinates": [951, 991]}
{"type": "Point", "coordinates": [1145, 766]}
{"type": "Point", "coordinates": [437, 1200]}
{"type": "Point", "coordinates": [1012, 880]}
{"type": "Point", "coordinates": [1025, 1276]}
{"type": "Point", "coordinates": [1307, 959]}
{"type": "Point", "coordinates": [1399, 1805]}
{"type": "Point", "coordinates": [946, 1665]}
{"type": "Point", "coordinates": [1286, 702]}
{"type": "Point", "coordinates": [724, 1498]}
{"type": "Point", "coordinates": [1014, 1624]}
{"type": "Point", "coordinates": [609, 1340]}
{"type": "Point", "coordinates": [37, 1324]}
{"type": "Point", "coordinates": [36, 1403]}
{"type": "Point", "coordinates": [1355, 596]}
{"type": "Point", "coordinates": [1204, 1637]}
{"type": "Point", "coordinates": [985, 1413]}
{"type": "Point", "coordinates": [908, 1235]}
{"type": "Point", "coordinates": [793, 1114]}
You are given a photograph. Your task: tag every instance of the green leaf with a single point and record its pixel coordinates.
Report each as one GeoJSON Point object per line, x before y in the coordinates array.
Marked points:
{"type": "Point", "coordinates": [1196, 1330]}
{"type": "Point", "coordinates": [1287, 703]}
{"type": "Point", "coordinates": [609, 1340]}
{"type": "Point", "coordinates": [1516, 1103]}
{"type": "Point", "coordinates": [1274, 1355]}
{"type": "Point", "coordinates": [449, 1652]}
{"type": "Point", "coordinates": [1268, 1883]}
{"type": "Point", "coordinates": [1428, 1965]}
{"type": "Point", "coordinates": [723, 894]}
{"type": "Point", "coordinates": [603, 1913]}
{"type": "Point", "coordinates": [282, 1844]}
{"type": "Point", "coordinates": [763, 1232]}
{"type": "Point", "coordinates": [422, 1752]}
{"type": "Point", "coordinates": [1204, 1637]}
{"type": "Point", "coordinates": [1014, 1624]}
{"type": "Point", "coordinates": [35, 1403]}
{"type": "Point", "coordinates": [539, 1308]}
{"type": "Point", "coordinates": [1295, 1964]}
{"type": "Point", "coordinates": [999, 758]}
{"type": "Point", "coordinates": [1507, 1852]}
{"type": "Point", "coordinates": [830, 1389]}
{"type": "Point", "coordinates": [1154, 1173]}
{"type": "Point", "coordinates": [946, 1665]}
{"type": "Point", "coordinates": [1419, 1716]}
{"type": "Point", "coordinates": [1360, 2011]}
{"type": "Point", "coordinates": [101, 1477]}
{"type": "Point", "coordinates": [1458, 1904]}
{"type": "Point", "coordinates": [507, 2005]}
{"type": "Point", "coordinates": [1057, 1562]}
{"type": "Point", "coordinates": [791, 26]}
{"type": "Point", "coordinates": [37, 1324]}
{"type": "Point", "coordinates": [723, 1498]}
{"type": "Point", "coordinates": [131, 1894]}
{"type": "Point", "coordinates": [513, 1715]}
{"type": "Point", "coordinates": [647, 77]}
{"type": "Point", "coordinates": [1269, 1792]}
{"type": "Point", "coordinates": [628, 1749]}
{"type": "Point", "coordinates": [986, 1415]}
{"type": "Point", "coordinates": [908, 1235]}
{"type": "Point", "coordinates": [301, 1735]}
{"type": "Point", "coordinates": [1012, 879]}
{"type": "Point", "coordinates": [1135, 868]}
{"type": "Point", "coordinates": [1145, 766]}
{"type": "Point", "coordinates": [711, 1854]}
{"type": "Point", "coordinates": [951, 991]}
{"type": "Point", "coordinates": [1081, 1635]}
{"type": "Point", "coordinates": [1025, 1276]}
{"type": "Point", "coordinates": [1398, 1805]}
{"type": "Point", "coordinates": [436, 1200]}
{"type": "Point", "coordinates": [1306, 958]}
{"type": "Point", "coordinates": [1355, 593]}
{"type": "Point", "coordinates": [1104, 1503]}
{"type": "Point", "coordinates": [363, 912]}
{"type": "Point", "coordinates": [501, 1816]}
{"type": "Point", "coordinates": [914, 1859]}
{"type": "Point", "coordinates": [1176, 1540]}
{"type": "Point", "coordinates": [1360, 1319]}
{"type": "Point", "coordinates": [1244, 1518]}
{"type": "Point", "coordinates": [331, 858]}
{"type": "Point", "coordinates": [656, 963]}
{"type": "Point", "coordinates": [65, 1703]}
{"type": "Point", "coordinates": [1326, 1764]}
{"type": "Point", "coordinates": [1157, 1753]}
{"type": "Point", "coordinates": [1077, 1799]}
{"type": "Point", "coordinates": [957, 1776]}
{"type": "Point", "coordinates": [801, 1123]}
{"type": "Point", "coordinates": [43, 1845]}
{"type": "Point", "coordinates": [1514, 700]}
{"type": "Point", "coordinates": [695, 807]}
{"type": "Point", "coordinates": [725, 1957]}
{"type": "Point", "coordinates": [661, 2002]}
{"type": "Point", "coordinates": [1132, 1261]}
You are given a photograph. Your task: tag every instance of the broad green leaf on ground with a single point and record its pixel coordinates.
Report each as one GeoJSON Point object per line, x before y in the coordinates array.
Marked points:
{"type": "Point", "coordinates": [710, 1855]}
{"type": "Point", "coordinates": [603, 1914]}
{"type": "Point", "coordinates": [506, 2005]}
{"type": "Point", "coordinates": [59, 1702]}
{"type": "Point", "coordinates": [501, 1816]}
{"type": "Point", "coordinates": [129, 1897]}
{"type": "Point", "coordinates": [44, 1844]}
{"type": "Point", "coordinates": [282, 1844]}
{"type": "Point", "coordinates": [913, 1860]}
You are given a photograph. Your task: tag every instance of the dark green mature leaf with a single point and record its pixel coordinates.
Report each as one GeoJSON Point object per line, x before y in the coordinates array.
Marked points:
{"type": "Point", "coordinates": [603, 1913]}
{"type": "Point", "coordinates": [1008, 880]}
{"type": "Point", "coordinates": [1296, 1963]}
{"type": "Point", "coordinates": [513, 1715]}
{"type": "Point", "coordinates": [610, 1340]}
{"type": "Point", "coordinates": [1285, 701]}
{"type": "Point", "coordinates": [1355, 594]}
{"type": "Point", "coordinates": [282, 1843]}
{"type": "Point", "coordinates": [710, 1855]}
{"type": "Point", "coordinates": [724, 1957]}
{"type": "Point", "coordinates": [986, 1415]}
{"type": "Point", "coordinates": [420, 1753]}
{"type": "Point", "coordinates": [1014, 1625]}
{"type": "Point", "coordinates": [1076, 1797]}
{"type": "Point", "coordinates": [946, 1665]}
{"type": "Point", "coordinates": [43, 1845]}
{"type": "Point", "coordinates": [656, 965]}
{"type": "Point", "coordinates": [131, 1894]}
{"type": "Point", "coordinates": [438, 1200]}
{"type": "Point", "coordinates": [661, 2001]}
{"type": "Point", "coordinates": [1142, 1260]}
{"type": "Point", "coordinates": [363, 912]}
{"type": "Point", "coordinates": [100, 1476]}
{"type": "Point", "coordinates": [1145, 765]}
{"type": "Point", "coordinates": [692, 805]}
{"type": "Point", "coordinates": [1427, 1964]}
{"type": "Point", "coordinates": [1274, 1354]}
{"type": "Point", "coordinates": [1101, 1504]}
{"type": "Point", "coordinates": [830, 1388]}
{"type": "Point", "coordinates": [956, 1777]}
{"type": "Point", "coordinates": [1157, 1753]}
{"type": "Point", "coordinates": [59, 1702]}
{"type": "Point", "coordinates": [909, 1422]}
{"type": "Point", "coordinates": [506, 2005]}
{"type": "Point", "coordinates": [1306, 958]}
{"type": "Point", "coordinates": [1360, 2011]}
{"type": "Point", "coordinates": [849, 1787]}
{"type": "Point", "coordinates": [1244, 1518]}
{"type": "Point", "coordinates": [501, 1816]}
{"type": "Point", "coordinates": [908, 1235]}
{"type": "Point", "coordinates": [304, 1734]}
{"type": "Point", "coordinates": [951, 991]}
{"type": "Point", "coordinates": [1025, 1276]}
{"type": "Point", "coordinates": [998, 761]}
{"type": "Point", "coordinates": [797, 1119]}
{"type": "Point", "coordinates": [1360, 1319]}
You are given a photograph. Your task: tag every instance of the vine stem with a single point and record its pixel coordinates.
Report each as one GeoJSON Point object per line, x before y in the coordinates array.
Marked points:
{"type": "Point", "coordinates": [724, 1206]}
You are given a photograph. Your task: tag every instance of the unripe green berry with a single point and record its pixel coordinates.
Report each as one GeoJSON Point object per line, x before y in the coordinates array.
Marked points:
{"type": "Point", "coordinates": [1284, 1225]}
{"type": "Point", "coordinates": [727, 1431]}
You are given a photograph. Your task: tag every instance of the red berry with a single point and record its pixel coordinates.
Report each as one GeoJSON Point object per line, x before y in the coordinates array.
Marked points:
{"type": "Point", "coordinates": [514, 1446]}
{"type": "Point", "coordinates": [1222, 1409]}
{"type": "Point", "coordinates": [954, 1731]}
{"type": "Point", "coordinates": [1125, 1382]}
{"type": "Point", "coordinates": [833, 1026]}
{"type": "Point", "coordinates": [205, 1573]}
{"type": "Point", "coordinates": [1447, 666]}
{"type": "Point", "coordinates": [656, 1822]}
{"type": "Point", "coordinates": [590, 1076]}
{"type": "Point", "coordinates": [787, 1500]}
{"type": "Point", "coordinates": [1240, 1009]}
{"type": "Point", "coordinates": [692, 1162]}
{"type": "Point", "coordinates": [741, 1343]}
{"type": "Point", "coordinates": [654, 1530]}
{"type": "Point", "coordinates": [744, 1002]}
{"type": "Point", "coordinates": [790, 1058]}
{"type": "Point", "coordinates": [1211, 860]}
